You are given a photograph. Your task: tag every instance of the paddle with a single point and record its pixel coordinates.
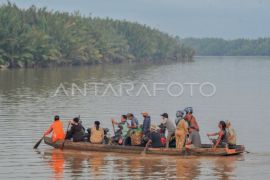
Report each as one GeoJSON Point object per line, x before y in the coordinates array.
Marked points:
{"type": "Point", "coordinates": [145, 148]}
{"type": "Point", "coordinates": [38, 143]}
{"type": "Point", "coordinates": [113, 126]}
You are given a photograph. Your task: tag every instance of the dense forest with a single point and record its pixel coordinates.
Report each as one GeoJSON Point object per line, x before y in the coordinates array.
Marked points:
{"type": "Point", "coordinates": [237, 47]}
{"type": "Point", "coordinates": [39, 37]}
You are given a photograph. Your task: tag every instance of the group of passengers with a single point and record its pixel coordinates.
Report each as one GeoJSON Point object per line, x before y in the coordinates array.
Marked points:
{"type": "Point", "coordinates": [76, 132]}
{"type": "Point", "coordinates": [183, 133]}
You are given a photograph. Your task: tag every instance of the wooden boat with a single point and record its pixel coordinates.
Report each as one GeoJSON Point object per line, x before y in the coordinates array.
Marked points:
{"type": "Point", "coordinates": [206, 149]}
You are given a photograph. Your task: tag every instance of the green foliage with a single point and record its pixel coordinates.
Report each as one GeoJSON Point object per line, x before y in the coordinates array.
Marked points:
{"type": "Point", "coordinates": [237, 47]}
{"type": "Point", "coordinates": [38, 37]}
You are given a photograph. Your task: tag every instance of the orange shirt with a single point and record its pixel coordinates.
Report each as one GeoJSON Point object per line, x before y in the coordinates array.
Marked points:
{"type": "Point", "coordinates": [57, 129]}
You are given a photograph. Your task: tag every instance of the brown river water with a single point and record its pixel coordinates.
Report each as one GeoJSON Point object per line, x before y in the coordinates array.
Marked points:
{"type": "Point", "coordinates": [235, 88]}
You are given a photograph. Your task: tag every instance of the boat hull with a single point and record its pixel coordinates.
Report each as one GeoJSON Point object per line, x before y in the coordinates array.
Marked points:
{"type": "Point", "coordinates": [206, 150]}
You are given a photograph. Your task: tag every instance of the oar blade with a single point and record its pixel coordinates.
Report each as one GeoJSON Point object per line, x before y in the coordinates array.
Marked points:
{"type": "Point", "coordinates": [38, 143]}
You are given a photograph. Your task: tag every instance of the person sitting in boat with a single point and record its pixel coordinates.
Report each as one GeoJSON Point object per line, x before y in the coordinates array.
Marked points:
{"type": "Point", "coordinates": [194, 140]}
{"type": "Point", "coordinates": [169, 126]}
{"type": "Point", "coordinates": [77, 131]}
{"type": "Point", "coordinates": [222, 140]}
{"type": "Point", "coordinates": [181, 130]}
{"type": "Point", "coordinates": [231, 135]}
{"type": "Point", "coordinates": [190, 118]}
{"type": "Point", "coordinates": [122, 131]}
{"type": "Point", "coordinates": [154, 138]}
{"type": "Point", "coordinates": [57, 130]}
{"type": "Point", "coordinates": [96, 134]}
{"type": "Point", "coordinates": [146, 124]}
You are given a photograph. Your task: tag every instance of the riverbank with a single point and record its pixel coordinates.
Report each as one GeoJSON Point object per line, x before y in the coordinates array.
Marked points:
{"type": "Point", "coordinates": [65, 65]}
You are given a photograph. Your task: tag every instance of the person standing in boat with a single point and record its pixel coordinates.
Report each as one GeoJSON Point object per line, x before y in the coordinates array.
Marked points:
{"type": "Point", "coordinates": [191, 120]}
{"type": "Point", "coordinates": [231, 135]}
{"type": "Point", "coordinates": [134, 124]}
{"type": "Point", "coordinates": [96, 134]}
{"type": "Point", "coordinates": [194, 140]}
{"type": "Point", "coordinates": [169, 126]}
{"type": "Point", "coordinates": [181, 130]}
{"type": "Point", "coordinates": [122, 132]}
{"type": "Point", "coordinates": [57, 130]}
{"type": "Point", "coordinates": [222, 136]}
{"type": "Point", "coordinates": [146, 124]}
{"type": "Point", "coordinates": [77, 131]}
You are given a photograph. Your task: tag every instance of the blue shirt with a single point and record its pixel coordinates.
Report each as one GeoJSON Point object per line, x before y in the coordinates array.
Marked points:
{"type": "Point", "coordinates": [134, 122]}
{"type": "Point", "coordinates": [146, 125]}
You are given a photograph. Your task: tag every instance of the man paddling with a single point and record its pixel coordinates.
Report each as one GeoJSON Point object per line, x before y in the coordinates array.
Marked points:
{"type": "Point", "coordinates": [57, 130]}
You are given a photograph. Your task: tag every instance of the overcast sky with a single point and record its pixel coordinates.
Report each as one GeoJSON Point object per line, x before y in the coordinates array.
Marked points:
{"type": "Point", "coordinates": [186, 18]}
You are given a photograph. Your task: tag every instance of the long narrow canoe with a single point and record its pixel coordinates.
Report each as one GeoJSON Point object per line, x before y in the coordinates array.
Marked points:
{"type": "Point", "coordinates": [206, 149]}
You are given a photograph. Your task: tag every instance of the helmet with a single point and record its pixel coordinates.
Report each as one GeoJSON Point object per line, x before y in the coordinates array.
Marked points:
{"type": "Point", "coordinates": [189, 110]}
{"type": "Point", "coordinates": [180, 114]}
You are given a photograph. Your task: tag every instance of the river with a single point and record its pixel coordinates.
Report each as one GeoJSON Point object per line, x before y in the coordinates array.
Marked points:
{"type": "Point", "coordinates": [234, 88]}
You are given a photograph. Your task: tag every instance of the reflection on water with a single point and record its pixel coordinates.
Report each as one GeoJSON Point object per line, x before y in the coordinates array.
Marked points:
{"type": "Point", "coordinates": [225, 167]}
{"type": "Point", "coordinates": [56, 163]}
{"type": "Point", "coordinates": [107, 165]}
{"type": "Point", "coordinates": [188, 168]}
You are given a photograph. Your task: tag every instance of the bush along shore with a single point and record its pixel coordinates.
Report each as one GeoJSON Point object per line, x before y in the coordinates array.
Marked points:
{"type": "Point", "coordinates": [37, 37]}
{"type": "Point", "coordinates": [236, 47]}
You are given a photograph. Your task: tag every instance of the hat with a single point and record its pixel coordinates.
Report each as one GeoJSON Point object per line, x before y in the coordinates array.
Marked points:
{"type": "Point", "coordinates": [188, 110]}
{"type": "Point", "coordinates": [153, 127]}
{"type": "Point", "coordinates": [180, 114]}
{"type": "Point", "coordinates": [130, 115]}
{"type": "Point", "coordinates": [145, 113]}
{"type": "Point", "coordinates": [165, 115]}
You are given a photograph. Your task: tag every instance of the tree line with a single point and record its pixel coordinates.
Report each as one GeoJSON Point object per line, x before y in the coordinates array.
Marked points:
{"type": "Point", "coordinates": [237, 47]}
{"type": "Point", "coordinates": [39, 37]}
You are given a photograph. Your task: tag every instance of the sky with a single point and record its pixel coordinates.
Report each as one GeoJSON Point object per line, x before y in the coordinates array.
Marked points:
{"type": "Point", "coordinates": [228, 19]}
